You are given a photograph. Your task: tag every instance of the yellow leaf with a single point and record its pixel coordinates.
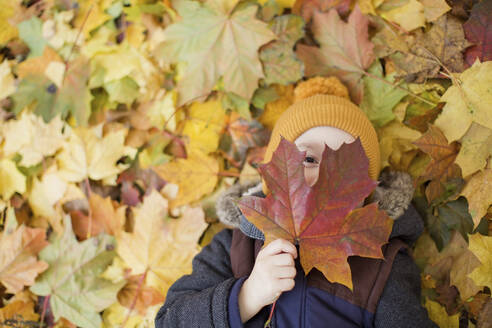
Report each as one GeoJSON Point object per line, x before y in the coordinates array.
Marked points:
{"type": "Point", "coordinates": [21, 312]}
{"type": "Point", "coordinates": [204, 125]}
{"type": "Point", "coordinates": [7, 81]}
{"type": "Point", "coordinates": [93, 12]}
{"type": "Point", "coordinates": [478, 192]}
{"type": "Point", "coordinates": [88, 155]}
{"type": "Point", "coordinates": [196, 176]}
{"type": "Point", "coordinates": [44, 196]}
{"type": "Point", "coordinates": [37, 139]}
{"type": "Point", "coordinates": [162, 110]}
{"type": "Point", "coordinates": [281, 3]}
{"type": "Point", "coordinates": [468, 103]}
{"type": "Point", "coordinates": [481, 246]}
{"type": "Point", "coordinates": [409, 16]}
{"type": "Point", "coordinates": [8, 31]}
{"type": "Point", "coordinates": [437, 313]}
{"type": "Point", "coordinates": [177, 240]}
{"type": "Point", "coordinates": [11, 180]}
{"type": "Point", "coordinates": [476, 148]}
{"type": "Point", "coordinates": [395, 142]}
{"type": "Point", "coordinates": [433, 9]}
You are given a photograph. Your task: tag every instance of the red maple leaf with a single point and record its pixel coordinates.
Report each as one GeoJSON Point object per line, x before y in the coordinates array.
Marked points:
{"type": "Point", "coordinates": [323, 219]}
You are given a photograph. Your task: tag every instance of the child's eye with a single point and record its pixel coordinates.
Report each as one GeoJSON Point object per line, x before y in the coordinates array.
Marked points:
{"type": "Point", "coordinates": [310, 159]}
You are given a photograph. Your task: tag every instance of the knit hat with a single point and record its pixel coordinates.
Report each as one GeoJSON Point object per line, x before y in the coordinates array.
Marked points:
{"type": "Point", "coordinates": [323, 101]}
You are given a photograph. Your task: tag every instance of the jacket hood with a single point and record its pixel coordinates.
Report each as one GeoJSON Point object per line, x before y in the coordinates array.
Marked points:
{"type": "Point", "coordinates": [393, 194]}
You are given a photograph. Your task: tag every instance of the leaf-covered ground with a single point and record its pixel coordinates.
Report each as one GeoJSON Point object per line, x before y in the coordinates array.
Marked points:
{"type": "Point", "coordinates": [122, 120]}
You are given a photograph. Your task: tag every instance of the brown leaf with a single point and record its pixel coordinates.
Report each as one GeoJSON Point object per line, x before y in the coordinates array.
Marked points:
{"type": "Point", "coordinates": [478, 30]}
{"type": "Point", "coordinates": [441, 45]}
{"type": "Point", "coordinates": [306, 8]}
{"type": "Point", "coordinates": [442, 166]}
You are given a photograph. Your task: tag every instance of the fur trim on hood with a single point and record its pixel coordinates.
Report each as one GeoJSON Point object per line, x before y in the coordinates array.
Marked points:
{"type": "Point", "coordinates": [394, 194]}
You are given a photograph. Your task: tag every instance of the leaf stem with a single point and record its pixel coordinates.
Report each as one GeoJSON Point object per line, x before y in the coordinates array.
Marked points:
{"type": "Point", "coordinates": [89, 192]}
{"type": "Point", "coordinates": [45, 305]}
{"type": "Point", "coordinates": [134, 301]}
{"type": "Point", "coordinates": [269, 321]}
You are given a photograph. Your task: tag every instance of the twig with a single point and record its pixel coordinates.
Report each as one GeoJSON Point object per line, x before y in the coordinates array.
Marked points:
{"type": "Point", "coordinates": [45, 305]}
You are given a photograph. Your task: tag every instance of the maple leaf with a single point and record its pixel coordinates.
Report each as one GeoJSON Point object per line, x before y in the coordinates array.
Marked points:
{"type": "Point", "coordinates": [196, 176]}
{"type": "Point", "coordinates": [37, 140]}
{"type": "Point", "coordinates": [278, 58]}
{"type": "Point", "coordinates": [437, 313]}
{"type": "Point", "coordinates": [241, 135]}
{"type": "Point", "coordinates": [226, 45]}
{"type": "Point", "coordinates": [306, 8]}
{"type": "Point", "coordinates": [322, 219]}
{"type": "Point", "coordinates": [476, 148]}
{"type": "Point", "coordinates": [478, 192]}
{"type": "Point", "coordinates": [177, 240]}
{"type": "Point", "coordinates": [345, 51]}
{"type": "Point", "coordinates": [467, 102]}
{"type": "Point", "coordinates": [12, 179]}
{"type": "Point", "coordinates": [74, 269]}
{"type": "Point", "coordinates": [18, 264]}
{"type": "Point", "coordinates": [380, 98]}
{"type": "Point", "coordinates": [477, 30]}
{"type": "Point", "coordinates": [441, 45]}
{"type": "Point", "coordinates": [442, 166]}
{"type": "Point", "coordinates": [481, 247]}
{"type": "Point", "coordinates": [87, 154]}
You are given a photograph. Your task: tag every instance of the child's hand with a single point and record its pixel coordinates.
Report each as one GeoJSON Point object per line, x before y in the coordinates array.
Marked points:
{"type": "Point", "coordinates": [273, 273]}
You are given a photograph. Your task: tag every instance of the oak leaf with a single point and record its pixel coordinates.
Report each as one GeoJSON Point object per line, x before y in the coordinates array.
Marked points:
{"type": "Point", "coordinates": [321, 219]}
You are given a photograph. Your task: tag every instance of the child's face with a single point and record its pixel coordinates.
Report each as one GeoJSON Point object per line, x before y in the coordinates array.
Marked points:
{"type": "Point", "coordinates": [313, 142]}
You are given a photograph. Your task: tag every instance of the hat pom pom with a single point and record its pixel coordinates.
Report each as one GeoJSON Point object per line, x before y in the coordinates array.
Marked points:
{"type": "Point", "coordinates": [320, 85]}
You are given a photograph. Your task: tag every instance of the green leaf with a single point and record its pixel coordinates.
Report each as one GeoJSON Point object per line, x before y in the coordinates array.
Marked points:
{"type": "Point", "coordinates": [279, 60]}
{"type": "Point", "coordinates": [124, 90]}
{"type": "Point", "coordinates": [30, 31]}
{"type": "Point", "coordinates": [72, 280]}
{"type": "Point", "coordinates": [380, 98]}
{"type": "Point", "coordinates": [39, 89]}
{"type": "Point", "coordinates": [215, 40]}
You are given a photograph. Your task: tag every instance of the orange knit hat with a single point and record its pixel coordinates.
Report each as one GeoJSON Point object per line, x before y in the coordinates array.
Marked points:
{"type": "Point", "coordinates": [324, 102]}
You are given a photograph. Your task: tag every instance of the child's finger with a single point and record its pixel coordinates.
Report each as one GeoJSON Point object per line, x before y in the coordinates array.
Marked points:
{"type": "Point", "coordinates": [279, 246]}
{"type": "Point", "coordinates": [285, 272]}
{"type": "Point", "coordinates": [282, 259]}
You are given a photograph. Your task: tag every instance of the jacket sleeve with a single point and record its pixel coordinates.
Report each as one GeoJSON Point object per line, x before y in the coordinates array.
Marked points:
{"type": "Point", "coordinates": [399, 305]}
{"type": "Point", "coordinates": [200, 299]}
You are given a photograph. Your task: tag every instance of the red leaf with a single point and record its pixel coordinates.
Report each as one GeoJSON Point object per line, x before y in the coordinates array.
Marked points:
{"type": "Point", "coordinates": [322, 219]}
{"type": "Point", "coordinates": [478, 29]}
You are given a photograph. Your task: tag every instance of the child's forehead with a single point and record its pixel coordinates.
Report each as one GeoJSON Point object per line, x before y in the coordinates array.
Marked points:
{"type": "Point", "coordinates": [316, 137]}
